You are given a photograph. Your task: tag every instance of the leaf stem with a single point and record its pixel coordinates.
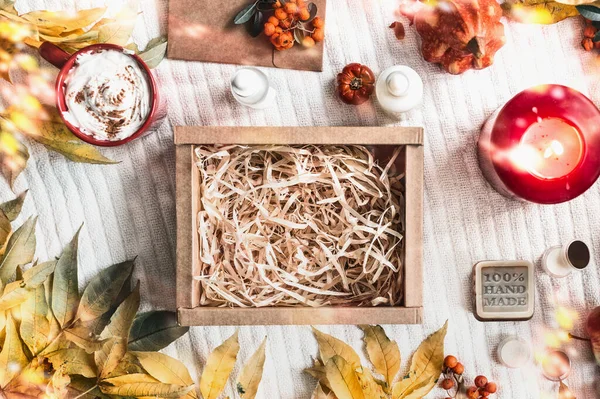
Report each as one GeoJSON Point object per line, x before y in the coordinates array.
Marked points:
{"type": "Point", "coordinates": [86, 392]}
{"type": "Point", "coordinates": [578, 338]}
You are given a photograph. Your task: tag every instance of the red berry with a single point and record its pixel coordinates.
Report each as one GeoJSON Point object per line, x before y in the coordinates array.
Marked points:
{"type": "Point", "coordinates": [480, 381]}
{"type": "Point", "coordinates": [472, 393]}
{"type": "Point", "coordinates": [483, 393]}
{"type": "Point", "coordinates": [491, 387]}
{"type": "Point", "coordinates": [450, 361]}
{"type": "Point", "coordinates": [459, 368]}
{"type": "Point", "coordinates": [447, 383]}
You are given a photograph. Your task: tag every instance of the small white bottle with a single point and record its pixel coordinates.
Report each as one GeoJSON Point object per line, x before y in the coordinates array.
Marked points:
{"type": "Point", "coordinates": [250, 87]}
{"type": "Point", "coordinates": [399, 89]}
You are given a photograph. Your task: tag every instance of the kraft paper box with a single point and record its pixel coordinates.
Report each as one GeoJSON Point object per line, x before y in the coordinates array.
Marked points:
{"type": "Point", "coordinates": [187, 181]}
{"type": "Point", "coordinates": [203, 30]}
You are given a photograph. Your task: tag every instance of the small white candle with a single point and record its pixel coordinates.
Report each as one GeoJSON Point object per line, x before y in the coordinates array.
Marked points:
{"type": "Point", "coordinates": [556, 365]}
{"type": "Point", "coordinates": [514, 352]}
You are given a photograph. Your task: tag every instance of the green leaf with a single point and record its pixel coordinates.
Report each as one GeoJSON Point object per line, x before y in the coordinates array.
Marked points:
{"type": "Point", "coordinates": [153, 331]}
{"type": "Point", "coordinates": [164, 368]}
{"type": "Point", "coordinates": [117, 331]}
{"type": "Point", "coordinates": [38, 274]}
{"type": "Point", "coordinates": [73, 361]}
{"type": "Point", "coordinates": [299, 35]}
{"type": "Point", "coordinates": [35, 327]}
{"type": "Point", "coordinates": [102, 291]}
{"type": "Point", "coordinates": [19, 250]}
{"type": "Point", "coordinates": [65, 287]}
{"type": "Point", "coordinates": [154, 52]}
{"type": "Point", "coordinates": [12, 357]}
{"type": "Point", "coordinates": [245, 15]}
{"type": "Point", "coordinates": [312, 9]}
{"type": "Point", "coordinates": [141, 385]}
{"type": "Point", "coordinates": [590, 12]}
{"type": "Point", "coordinates": [596, 37]}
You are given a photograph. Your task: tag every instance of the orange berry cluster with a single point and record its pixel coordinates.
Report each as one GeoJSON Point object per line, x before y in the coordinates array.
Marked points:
{"type": "Point", "coordinates": [453, 368]}
{"type": "Point", "coordinates": [588, 36]}
{"type": "Point", "coordinates": [286, 18]}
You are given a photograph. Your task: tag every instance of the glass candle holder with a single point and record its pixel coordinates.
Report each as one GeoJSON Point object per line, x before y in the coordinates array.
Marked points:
{"type": "Point", "coordinates": [543, 146]}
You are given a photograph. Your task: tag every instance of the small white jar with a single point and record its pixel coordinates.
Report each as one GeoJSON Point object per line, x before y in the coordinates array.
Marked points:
{"type": "Point", "coordinates": [399, 89]}
{"type": "Point", "coordinates": [250, 87]}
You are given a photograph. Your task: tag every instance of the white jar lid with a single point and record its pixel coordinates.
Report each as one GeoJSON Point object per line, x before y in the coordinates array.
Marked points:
{"type": "Point", "coordinates": [399, 89]}
{"type": "Point", "coordinates": [247, 82]}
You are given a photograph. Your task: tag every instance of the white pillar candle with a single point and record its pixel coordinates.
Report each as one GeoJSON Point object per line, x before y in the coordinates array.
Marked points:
{"type": "Point", "coordinates": [514, 352]}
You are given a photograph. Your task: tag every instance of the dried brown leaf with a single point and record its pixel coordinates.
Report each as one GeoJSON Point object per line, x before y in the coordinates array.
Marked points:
{"type": "Point", "coordinates": [319, 393]}
{"type": "Point", "coordinates": [252, 373]}
{"type": "Point", "coordinates": [5, 230]}
{"type": "Point", "coordinates": [218, 367]}
{"type": "Point", "coordinates": [399, 31]}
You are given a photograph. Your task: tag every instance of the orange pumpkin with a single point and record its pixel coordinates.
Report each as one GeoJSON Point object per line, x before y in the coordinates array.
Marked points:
{"type": "Point", "coordinates": [458, 34]}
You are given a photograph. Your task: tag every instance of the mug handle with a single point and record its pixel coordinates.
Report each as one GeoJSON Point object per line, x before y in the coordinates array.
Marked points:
{"type": "Point", "coordinates": [54, 54]}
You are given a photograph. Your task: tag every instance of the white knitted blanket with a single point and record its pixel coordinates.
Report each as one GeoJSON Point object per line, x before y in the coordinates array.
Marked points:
{"type": "Point", "coordinates": [129, 209]}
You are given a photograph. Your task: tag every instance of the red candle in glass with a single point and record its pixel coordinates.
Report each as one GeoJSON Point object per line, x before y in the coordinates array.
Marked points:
{"type": "Point", "coordinates": [543, 146]}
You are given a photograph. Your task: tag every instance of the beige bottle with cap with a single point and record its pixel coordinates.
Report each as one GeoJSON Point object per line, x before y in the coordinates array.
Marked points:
{"type": "Point", "coordinates": [250, 87]}
{"type": "Point", "coordinates": [399, 89]}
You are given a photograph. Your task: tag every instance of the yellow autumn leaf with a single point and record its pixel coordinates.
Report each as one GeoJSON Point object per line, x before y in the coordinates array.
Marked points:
{"type": "Point", "coordinates": [5, 229]}
{"type": "Point", "coordinates": [35, 327]}
{"type": "Point", "coordinates": [218, 367]}
{"type": "Point", "coordinates": [547, 12]}
{"type": "Point", "coordinates": [577, 2]}
{"type": "Point", "coordinates": [12, 357]}
{"type": "Point", "coordinates": [142, 385]}
{"type": "Point", "coordinates": [318, 372]}
{"type": "Point", "coordinates": [426, 366]}
{"type": "Point", "coordinates": [564, 392]}
{"type": "Point", "coordinates": [370, 386]}
{"type": "Point", "coordinates": [343, 379]}
{"type": "Point", "coordinates": [383, 353]}
{"type": "Point", "coordinates": [330, 346]}
{"type": "Point", "coordinates": [69, 21]}
{"type": "Point", "coordinates": [117, 334]}
{"type": "Point", "coordinates": [118, 30]}
{"type": "Point", "coordinates": [51, 132]}
{"type": "Point", "coordinates": [252, 373]}
{"type": "Point", "coordinates": [72, 38]}
{"type": "Point", "coordinates": [73, 361]}
{"type": "Point", "coordinates": [422, 389]}
{"type": "Point", "coordinates": [164, 368]}
{"type": "Point", "coordinates": [15, 294]}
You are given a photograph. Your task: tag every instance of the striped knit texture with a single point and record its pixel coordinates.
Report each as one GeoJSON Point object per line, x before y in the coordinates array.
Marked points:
{"type": "Point", "coordinates": [128, 209]}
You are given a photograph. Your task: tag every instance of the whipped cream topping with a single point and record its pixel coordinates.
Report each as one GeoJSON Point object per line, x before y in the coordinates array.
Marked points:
{"type": "Point", "coordinates": [108, 95]}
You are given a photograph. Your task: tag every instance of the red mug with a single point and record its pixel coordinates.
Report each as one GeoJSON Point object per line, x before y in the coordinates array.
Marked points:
{"type": "Point", "coordinates": [64, 61]}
